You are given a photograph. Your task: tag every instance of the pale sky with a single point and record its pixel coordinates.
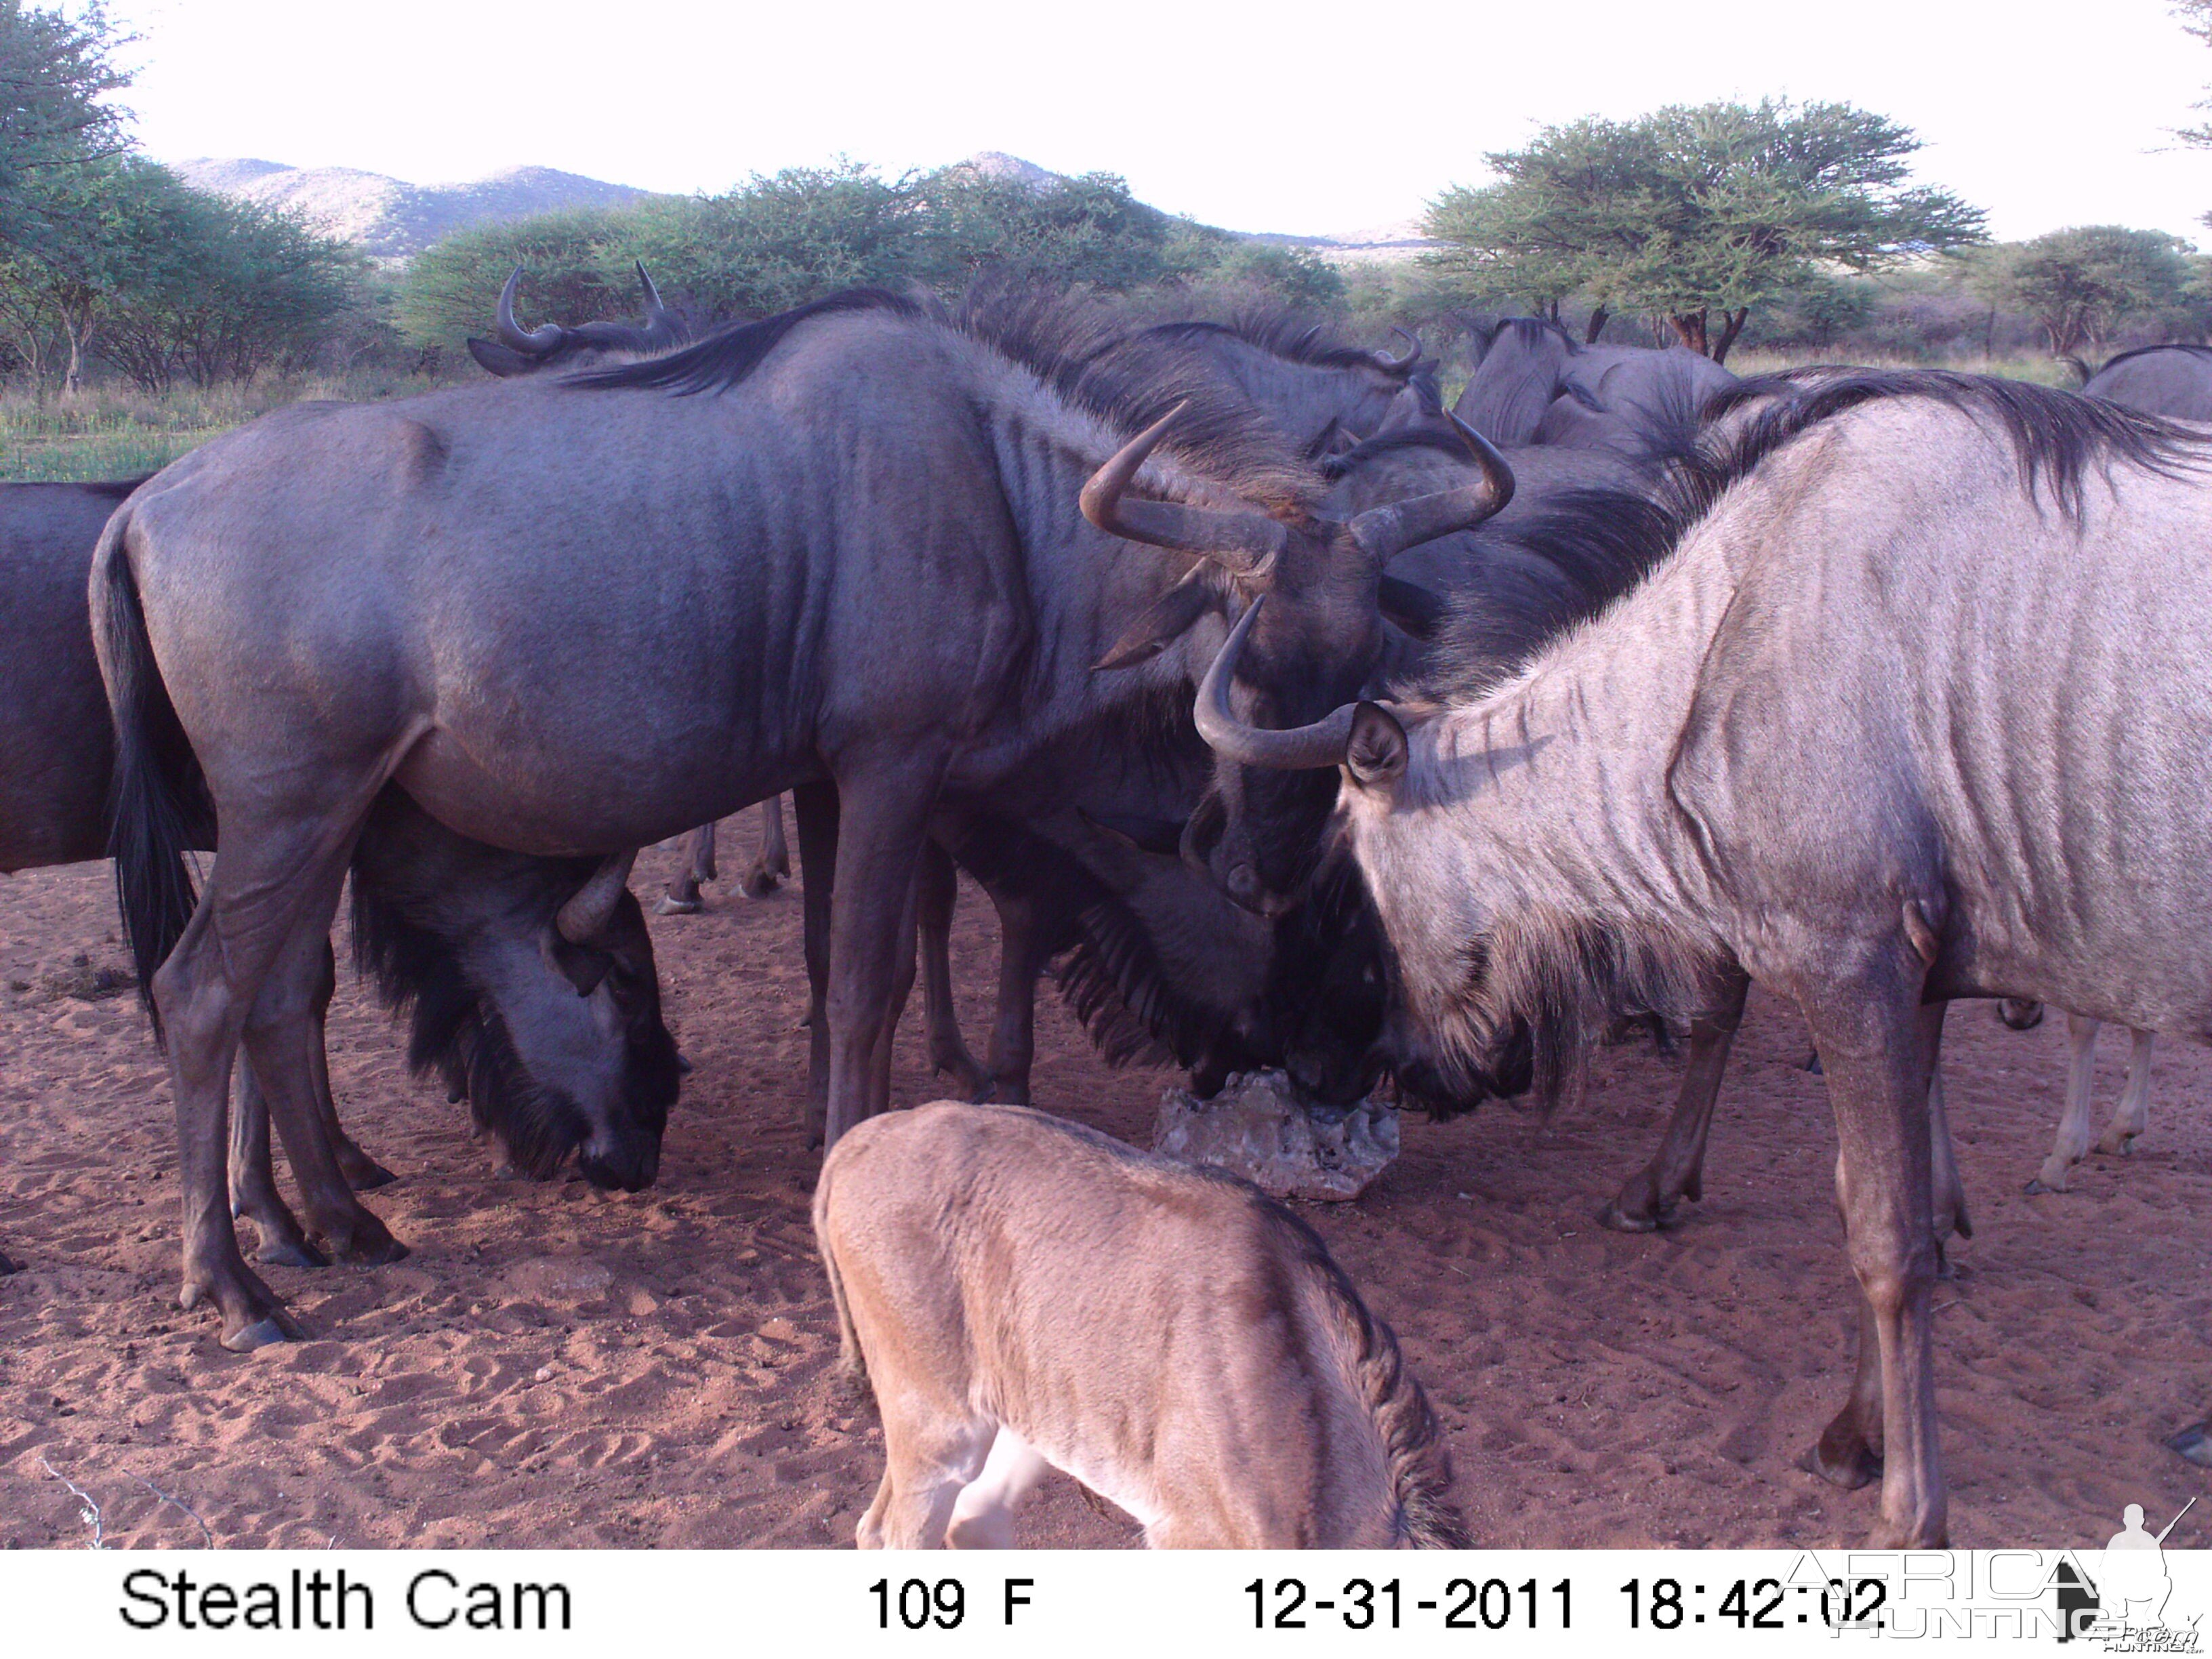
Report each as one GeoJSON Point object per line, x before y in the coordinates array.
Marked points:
{"type": "Point", "coordinates": [1293, 116]}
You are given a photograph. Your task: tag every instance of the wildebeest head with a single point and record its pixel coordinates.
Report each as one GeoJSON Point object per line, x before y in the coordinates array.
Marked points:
{"type": "Point", "coordinates": [1308, 649]}
{"type": "Point", "coordinates": [519, 351]}
{"type": "Point", "coordinates": [533, 989]}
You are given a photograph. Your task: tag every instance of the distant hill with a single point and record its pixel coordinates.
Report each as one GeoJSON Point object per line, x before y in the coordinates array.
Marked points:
{"type": "Point", "coordinates": [395, 220]}
{"type": "Point", "coordinates": [392, 218]}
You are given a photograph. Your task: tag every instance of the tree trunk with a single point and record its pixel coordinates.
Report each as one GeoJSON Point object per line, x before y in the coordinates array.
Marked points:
{"type": "Point", "coordinates": [73, 376]}
{"type": "Point", "coordinates": [1732, 324]}
{"type": "Point", "coordinates": [1596, 325]}
{"type": "Point", "coordinates": [1690, 329]}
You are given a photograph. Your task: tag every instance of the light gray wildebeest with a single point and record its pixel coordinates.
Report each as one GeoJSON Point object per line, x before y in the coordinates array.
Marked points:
{"type": "Point", "coordinates": [471, 921]}
{"type": "Point", "coordinates": [1920, 708]}
{"type": "Point", "coordinates": [2174, 380]}
{"type": "Point", "coordinates": [1025, 1294]}
{"type": "Point", "coordinates": [853, 557]}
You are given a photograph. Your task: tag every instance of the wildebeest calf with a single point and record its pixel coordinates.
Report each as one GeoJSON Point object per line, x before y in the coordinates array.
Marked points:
{"type": "Point", "coordinates": [1022, 1289]}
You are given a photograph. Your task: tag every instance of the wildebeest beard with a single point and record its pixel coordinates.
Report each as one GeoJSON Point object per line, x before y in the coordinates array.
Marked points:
{"type": "Point", "coordinates": [456, 1030]}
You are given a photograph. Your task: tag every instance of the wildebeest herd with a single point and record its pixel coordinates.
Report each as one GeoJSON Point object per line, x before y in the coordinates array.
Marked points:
{"type": "Point", "coordinates": [1288, 718]}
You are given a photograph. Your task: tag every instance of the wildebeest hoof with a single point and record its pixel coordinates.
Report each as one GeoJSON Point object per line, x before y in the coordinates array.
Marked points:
{"type": "Point", "coordinates": [2038, 1185]}
{"type": "Point", "coordinates": [2195, 1444]}
{"type": "Point", "coordinates": [1813, 1065]}
{"type": "Point", "coordinates": [2114, 1146]}
{"type": "Point", "coordinates": [1843, 1458]}
{"type": "Point", "coordinates": [1622, 1219]}
{"type": "Point", "coordinates": [363, 1173]}
{"type": "Point", "coordinates": [366, 1243]}
{"type": "Point", "coordinates": [9, 1265]}
{"type": "Point", "coordinates": [669, 905]}
{"type": "Point", "coordinates": [261, 1333]}
{"type": "Point", "coordinates": [759, 883]}
{"type": "Point", "coordinates": [290, 1252]}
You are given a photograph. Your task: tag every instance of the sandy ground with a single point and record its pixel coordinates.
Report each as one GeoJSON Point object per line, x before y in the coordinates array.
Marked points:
{"type": "Point", "coordinates": [555, 1367]}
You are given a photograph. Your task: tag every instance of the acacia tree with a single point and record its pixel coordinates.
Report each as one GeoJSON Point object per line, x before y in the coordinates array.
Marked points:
{"type": "Point", "coordinates": [1690, 212]}
{"type": "Point", "coordinates": [2082, 283]}
{"type": "Point", "coordinates": [55, 74]}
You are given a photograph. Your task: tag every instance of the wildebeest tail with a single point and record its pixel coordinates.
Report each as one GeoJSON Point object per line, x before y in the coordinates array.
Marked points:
{"type": "Point", "coordinates": [157, 794]}
{"type": "Point", "coordinates": [1414, 1450]}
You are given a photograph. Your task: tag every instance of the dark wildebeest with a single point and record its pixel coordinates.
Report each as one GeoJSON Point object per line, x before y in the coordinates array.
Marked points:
{"type": "Point", "coordinates": [518, 351]}
{"type": "Point", "coordinates": [853, 557]}
{"type": "Point", "coordinates": [1917, 710]}
{"type": "Point", "coordinates": [1309, 385]}
{"type": "Point", "coordinates": [466, 930]}
{"type": "Point", "coordinates": [1315, 390]}
{"type": "Point", "coordinates": [2174, 380]}
{"type": "Point", "coordinates": [1535, 383]}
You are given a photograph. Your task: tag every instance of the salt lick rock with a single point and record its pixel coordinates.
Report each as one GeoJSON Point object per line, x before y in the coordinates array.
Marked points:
{"type": "Point", "coordinates": [1262, 1128]}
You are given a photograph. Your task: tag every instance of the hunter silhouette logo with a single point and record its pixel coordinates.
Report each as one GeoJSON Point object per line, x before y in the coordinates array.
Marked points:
{"type": "Point", "coordinates": [2122, 1607]}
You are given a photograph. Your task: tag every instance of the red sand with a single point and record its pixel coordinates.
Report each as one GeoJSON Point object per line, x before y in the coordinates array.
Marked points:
{"type": "Point", "coordinates": [554, 1366]}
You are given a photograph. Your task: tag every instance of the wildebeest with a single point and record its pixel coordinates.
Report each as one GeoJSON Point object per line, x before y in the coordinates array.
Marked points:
{"type": "Point", "coordinates": [2174, 380]}
{"type": "Point", "coordinates": [1533, 383]}
{"type": "Point", "coordinates": [1308, 384]}
{"type": "Point", "coordinates": [2130, 1118]}
{"type": "Point", "coordinates": [1023, 1293]}
{"type": "Point", "coordinates": [1915, 710]}
{"type": "Point", "coordinates": [461, 933]}
{"type": "Point", "coordinates": [522, 351]}
{"type": "Point", "coordinates": [852, 555]}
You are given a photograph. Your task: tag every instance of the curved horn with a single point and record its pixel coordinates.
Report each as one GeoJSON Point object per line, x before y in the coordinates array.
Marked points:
{"type": "Point", "coordinates": [1403, 366]}
{"type": "Point", "coordinates": [1303, 748]}
{"type": "Point", "coordinates": [1244, 543]}
{"type": "Point", "coordinates": [653, 308]}
{"type": "Point", "coordinates": [1387, 532]}
{"type": "Point", "coordinates": [537, 342]}
{"type": "Point", "coordinates": [584, 918]}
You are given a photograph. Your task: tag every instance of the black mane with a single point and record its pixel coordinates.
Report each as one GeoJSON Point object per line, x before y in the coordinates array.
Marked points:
{"type": "Point", "coordinates": [1280, 332]}
{"type": "Point", "coordinates": [2056, 435]}
{"type": "Point", "coordinates": [1075, 346]}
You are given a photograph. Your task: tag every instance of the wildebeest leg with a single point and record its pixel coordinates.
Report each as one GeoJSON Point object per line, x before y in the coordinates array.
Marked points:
{"type": "Point", "coordinates": [939, 892]}
{"type": "Point", "coordinates": [983, 1514]}
{"type": "Point", "coordinates": [282, 1035]}
{"type": "Point", "coordinates": [903, 969]}
{"type": "Point", "coordinates": [1022, 952]}
{"type": "Point", "coordinates": [815, 806]}
{"type": "Point", "coordinates": [1945, 1183]}
{"type": "Point", "coordinates": [681, 898]}
{"type": "Point", "coordinates": [930, 1453]}
{"type": "Point", "coordinates": [2133, 1116]}
{"type": "Point", "coordinates": [773, 862]}
{"type": "Point", "coordinates": [1879, 1045]}
{"type": "Point", "coordinates": [254, 1194]}
{"type": "Point", "coordinates": [271, 874]}
{"type": "Point", "coordinates": [362, 1173]}
{"type": "Point", "coordinates": [882, 825]}
{"type": "Point", "coordinates": [2072, 1144]}
{"type": "Point", "coordinates": [1676, 1170]}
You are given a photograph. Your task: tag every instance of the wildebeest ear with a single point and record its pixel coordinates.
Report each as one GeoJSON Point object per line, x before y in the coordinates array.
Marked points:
{"type": "Point", "coordinates": [496, 359]}
{"type": "Point", "coordinates": [1376, 751]}
{"type": "Point", "coordinates": [1164, 622]}
{"type": "Point", "coordinates": [1411, 606]}
{"type": "Point", "coordinates": [581, 965]}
